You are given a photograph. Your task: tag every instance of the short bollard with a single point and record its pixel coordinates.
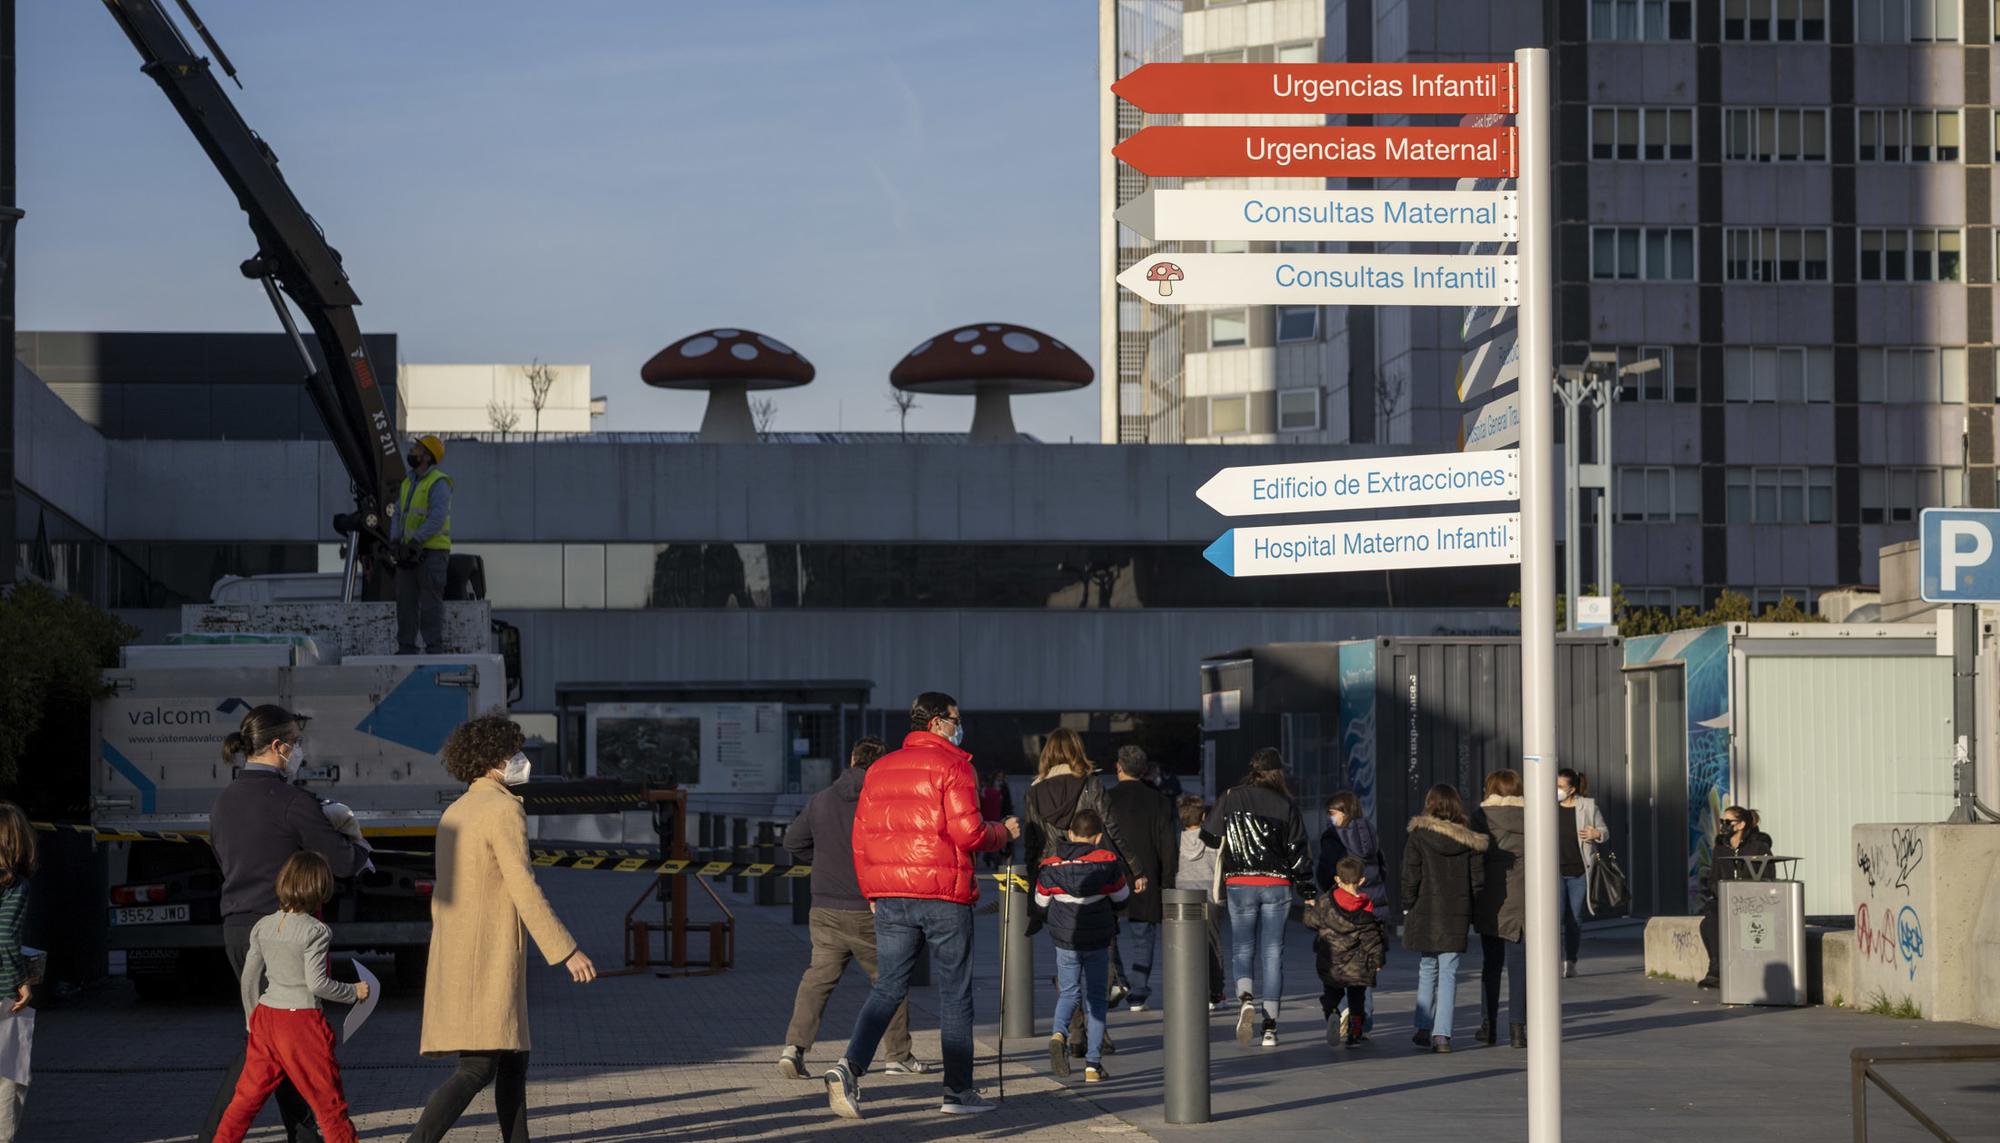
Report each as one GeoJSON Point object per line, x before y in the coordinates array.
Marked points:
{"type": "Point", "coordinates": [1017, 955]}
{"type": "Point", "coordinates": [1185, 937]}
{"type": "Point", "coordinates": [765, 889]}
{"type": "Point", "coordinates": [739, 851]}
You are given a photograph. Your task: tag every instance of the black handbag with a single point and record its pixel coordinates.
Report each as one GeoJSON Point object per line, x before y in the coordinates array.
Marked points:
{"type": "Point", "coordinates": [1610, 890]}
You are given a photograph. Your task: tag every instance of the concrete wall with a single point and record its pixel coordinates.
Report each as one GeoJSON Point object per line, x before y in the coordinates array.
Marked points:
{"type": "Point", "coordinates": [1927, 918]}
{"type": "Point", "coordinates": [57, 456]}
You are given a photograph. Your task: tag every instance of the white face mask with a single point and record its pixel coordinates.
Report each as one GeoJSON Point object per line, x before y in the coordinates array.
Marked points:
{"type": "Point", "coordinates": [517, 770]}
{"type": "Point", "coordinates": [290, 763]}
{"type": "Point", "coordinates": [1563, 795]}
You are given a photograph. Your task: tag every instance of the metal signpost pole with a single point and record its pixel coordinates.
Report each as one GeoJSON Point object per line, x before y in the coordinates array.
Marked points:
{"type": "Point", "coordinates": [1538, 591]}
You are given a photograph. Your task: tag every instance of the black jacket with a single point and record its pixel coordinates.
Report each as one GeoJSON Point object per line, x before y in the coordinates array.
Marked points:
{"type": "Point", "coordinates": [1331, 850]}
{"type": "Point", "coordinates": [1502, 905]}
{"type": "Point", "coordinates": [822, 836]}
{"type": "Point", "coordinates": [1080, 886]}
{"type": "Point", "coordinates": [1444, 869]}
{"type": "Point", "coordinates": [1756, 843]}
{"type": "Point", "coordinates": [1050, 802]}
{"type": "Point", "coordinates": [1141, 825]}
{"type": "Point", "coordinates": [1261, 834]}
{"type": "Point", "coordinates": [258, 821]}
{"type": "Point", "coordinates": [1353, 943]}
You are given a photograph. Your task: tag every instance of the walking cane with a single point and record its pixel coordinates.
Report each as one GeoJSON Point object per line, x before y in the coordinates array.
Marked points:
{"type": "Point", "coordinates": [1006, 906]}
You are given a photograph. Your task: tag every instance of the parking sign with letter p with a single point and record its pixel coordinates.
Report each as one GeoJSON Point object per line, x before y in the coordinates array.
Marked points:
{"type": "Point", "coordinates": [1958, 555]}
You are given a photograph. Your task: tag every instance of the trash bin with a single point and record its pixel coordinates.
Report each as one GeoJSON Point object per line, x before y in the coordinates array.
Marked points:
{"type": "Point", "coordinates": [1762, 937]}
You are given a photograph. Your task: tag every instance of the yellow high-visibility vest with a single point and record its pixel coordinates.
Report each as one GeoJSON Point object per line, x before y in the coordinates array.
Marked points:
{"type": "Point", "coordinates": [414, 506]}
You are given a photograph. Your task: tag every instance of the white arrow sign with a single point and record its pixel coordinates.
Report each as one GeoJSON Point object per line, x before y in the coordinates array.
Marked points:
{"type": "Point", "coordinates": [1358, 485]}
{"type": "Point", "coordinates": [1324, 280]}
{"type": "Point", "coordinates": [1496, 363]}
{"type": "Point", "coordinates": [1493, 426]}
{"type": "Point", "coordinates": [1323, 216]}
{"type": "Point", "coordinates": [1369, 545]}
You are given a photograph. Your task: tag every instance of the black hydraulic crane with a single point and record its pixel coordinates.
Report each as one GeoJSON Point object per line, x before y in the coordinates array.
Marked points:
{"type": "Point", "coordinates": [292, 256]}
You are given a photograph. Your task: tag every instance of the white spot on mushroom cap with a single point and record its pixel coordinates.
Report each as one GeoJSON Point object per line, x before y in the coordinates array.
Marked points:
{"type": "Point", "coordinates": [727, 332]}
{"type": "Point", "coordinates": [743, 351]}
{"type": "Point", "coordinates": [1019, 342]}
{"type": "Point", "coordinates": [696, 346]}
{"type": "Point", "coordinates": [978, 349]}
{"type": "Point", "coordinates": [926, 345]}
{"type": "Point", "coordinates": [774, 345]}
{"type": "Point", "coordinates": [993, 328]}
{"type": "Point", "coordinates": [965, 335]}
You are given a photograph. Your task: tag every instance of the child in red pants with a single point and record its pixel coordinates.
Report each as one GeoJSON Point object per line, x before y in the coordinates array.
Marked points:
{"type": "Point", "coordinates": [284, 980]}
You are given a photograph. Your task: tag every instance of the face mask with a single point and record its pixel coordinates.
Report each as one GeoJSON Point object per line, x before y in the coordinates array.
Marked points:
{"type": "Point", "coordinates": [1562, 795]}
{"type": "Point", "coordinates": [417, 459]}
{"type": "Point", "coordinates": [290, 763]}
{"type": "Point", "coordinates": [517, 770]}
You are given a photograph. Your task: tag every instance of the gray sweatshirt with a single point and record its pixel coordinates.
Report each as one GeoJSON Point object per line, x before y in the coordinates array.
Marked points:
{"type": "Point", "coordinates": [288, 950]}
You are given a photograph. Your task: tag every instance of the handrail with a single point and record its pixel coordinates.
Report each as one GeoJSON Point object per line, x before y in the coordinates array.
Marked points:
{"type": "Point", "coordinates": [1861, 1064]}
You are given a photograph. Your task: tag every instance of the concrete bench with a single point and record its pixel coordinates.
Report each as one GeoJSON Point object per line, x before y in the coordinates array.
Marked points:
{"type": "Point", "coordinates": [1674, 952]}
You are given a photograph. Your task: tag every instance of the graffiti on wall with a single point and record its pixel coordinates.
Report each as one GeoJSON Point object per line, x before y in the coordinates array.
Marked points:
{"type": "Point", "coordinates": [1704, 655]}
{"type": "Point", "coordinates": [1909, 938]}
{"type": "Point", "coordinates": [1906, 846]}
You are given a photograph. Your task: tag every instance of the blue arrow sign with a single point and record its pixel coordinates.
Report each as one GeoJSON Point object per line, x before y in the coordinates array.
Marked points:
{"type": "Point", "coordinates": [1369, 545]}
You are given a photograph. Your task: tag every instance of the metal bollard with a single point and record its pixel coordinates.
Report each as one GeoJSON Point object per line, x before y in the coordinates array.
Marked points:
{"type": "Point", "coordinates": [739, 851]}
{"type": "Point", "coordinates": [802, 899]}
{"type": "Point", "coordinates": [1017, 955]}
{"type": "Point", "coordinates": [766, 888]}
{"type": "Point", "coordinates": [1185, 938]}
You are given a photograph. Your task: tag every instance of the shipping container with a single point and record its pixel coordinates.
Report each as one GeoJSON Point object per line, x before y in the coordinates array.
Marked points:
{"type": "Point", "coordinates": [1390, 717]}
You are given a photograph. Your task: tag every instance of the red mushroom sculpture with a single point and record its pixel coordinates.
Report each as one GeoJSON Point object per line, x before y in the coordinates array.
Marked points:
{"type": "Point", "coordinates": [991, 362]}
{"type": "Point", "coordinates": [1166, 274]}
{"type": "Point", "coordinates": [728, 363]}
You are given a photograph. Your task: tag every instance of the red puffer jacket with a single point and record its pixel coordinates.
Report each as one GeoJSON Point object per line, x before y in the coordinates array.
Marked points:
{"type": "Point", "coordinates": [918, 824]}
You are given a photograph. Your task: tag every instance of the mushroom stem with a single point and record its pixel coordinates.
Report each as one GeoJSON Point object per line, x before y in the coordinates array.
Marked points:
{"type": "Point", "coordinates": [993, 416]}
{"type": "Point", "coordinates": [1166, 287]}
{"type": "Point", "coordinates": [727, 419]}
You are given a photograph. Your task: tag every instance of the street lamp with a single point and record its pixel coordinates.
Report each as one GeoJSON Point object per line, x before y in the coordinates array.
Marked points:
{"type": "Point", "coordinates": [1593, 384]}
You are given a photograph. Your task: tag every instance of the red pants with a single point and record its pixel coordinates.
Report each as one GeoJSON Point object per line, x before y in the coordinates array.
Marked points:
{"type": "Point", "coordinates": [294, 1045]}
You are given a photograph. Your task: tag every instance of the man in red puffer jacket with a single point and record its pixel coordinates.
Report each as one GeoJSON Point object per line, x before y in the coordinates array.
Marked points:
{"type": "Point", "coordinates": [915, 831]}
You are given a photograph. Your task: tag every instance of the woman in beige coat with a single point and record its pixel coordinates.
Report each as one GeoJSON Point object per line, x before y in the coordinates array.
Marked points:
{"type": "Point", "coordinates": [476, 997]}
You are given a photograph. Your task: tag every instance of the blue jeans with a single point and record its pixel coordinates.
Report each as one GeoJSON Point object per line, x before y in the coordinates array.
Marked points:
{"type": "Point", "coordinates": [1082, 978]}
{"type": "Point", "coordinates": [901, 924]}
{"type": "Point", "coordinates": [1141, 937]}
{"type": "Point", "coordinates": [1257, 916]}
{"type": "Point", "coordinates": [1437, 993]}
{"type": "Point", "coordinates": [1575, 891]}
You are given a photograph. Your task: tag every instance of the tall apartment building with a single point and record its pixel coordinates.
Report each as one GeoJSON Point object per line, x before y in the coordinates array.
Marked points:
{"type": "Point", "coordinates": [1788, 203]}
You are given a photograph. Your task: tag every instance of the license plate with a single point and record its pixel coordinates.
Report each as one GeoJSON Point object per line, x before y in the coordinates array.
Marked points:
{"type": "Point", "coordinates": [149, 915]}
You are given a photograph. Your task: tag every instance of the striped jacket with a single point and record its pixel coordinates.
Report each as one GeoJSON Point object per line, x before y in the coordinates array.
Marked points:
{"type": "Point", "coordinates": [1080, 885]}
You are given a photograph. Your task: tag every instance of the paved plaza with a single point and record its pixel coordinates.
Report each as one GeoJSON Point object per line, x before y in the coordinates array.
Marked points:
{"type": "Point", "coordinates": [639, 1058]}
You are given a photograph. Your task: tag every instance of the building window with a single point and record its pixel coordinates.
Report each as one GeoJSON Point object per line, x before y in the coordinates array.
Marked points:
{"type": "Point", "coordinates": [1905, 21]}
{"type": "Point", "coordinates": [1297, 323]}
{"type": "Point", "coordinates": [1228, 415]}
{"type": "Point", "coordinates": [1779, 374]}
{"type": "Point", "coordinates": [1298, 410]}
{"type": "Point", "coordinates": [1911, 375]}
{"type": "Point", "coordinates": [1764, 598]}
{"type": "Point", "coordinates": [1641, 20]}
{"type": "Point", "coordinates": [1659, 495]}
{"type": "Point", "coordinates": [1774, 21]}
{"type": "Point", "coordinates": [1905, 135]}
{"type": "Point", "coordinates": [1662, 598]}
{"type": "Point", "coordinates": [1642, 253]}
{"type": "Point", "coordinates": [1780, 496]}
{"type": "Point", "coordinates": [1228, 329]}
{"type": "Point", "coordinates": [1677, 380]}
{"type": "Point", "coordinates": [1774, 254]}
{"type": "Point", "coordinates": [1642, 134]}
{"type": "Point", "coordinates": [1917, 255]}
{"type": "Point", "coordinates": [1774, 134]}
{"type": "Point", "coordinates": [1897, 495]}
{"type": "Point", "coordinates": [1229, 246]}
{"type": "Point", "coordinates": [1307, 52]}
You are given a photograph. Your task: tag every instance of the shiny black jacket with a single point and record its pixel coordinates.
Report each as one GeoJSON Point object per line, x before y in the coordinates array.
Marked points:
{"type": "Point", "coordinates": [1261, 834]}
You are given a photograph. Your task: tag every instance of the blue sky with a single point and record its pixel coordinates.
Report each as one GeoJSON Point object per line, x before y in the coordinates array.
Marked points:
{"type": "Point", "coordinates": [591, 181]}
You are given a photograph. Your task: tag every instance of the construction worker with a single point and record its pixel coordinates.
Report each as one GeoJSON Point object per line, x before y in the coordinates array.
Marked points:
{"type": "Point", "coordinates": [421, 535]}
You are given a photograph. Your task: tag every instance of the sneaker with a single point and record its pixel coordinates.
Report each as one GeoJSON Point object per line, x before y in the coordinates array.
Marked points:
{"type": "Point", "coordinates": [1569, 970]}
{"type": "Point", "coordinates": [1441, 1045]}
{"type": "Point", "coordinates": [1270, 1033]}
{"type": "Point", "coordinates": [967, 1102]}
{"type": "Point", "coordinates": [1336, 1029]}
{"type": "Point", "coordinates": [909, 1065]}
{"type": "Point", "coordinates": [1137, 1005]}
{"type": "Point", "coordinates": [1422, 1040]}
{"type": "Point", "coordinates": [1059, 1054]}
{"type": "Point", "coordinates": [1095, 1073]}
{"type": "Point", "coordinates": [1709, 981]}
{"type": "Point", "coordinates": [1246, 1023]}
{"type": "Point", "coordinates": [843, 1091]}
{"type": "Point", "coordinates": [792, 1063]}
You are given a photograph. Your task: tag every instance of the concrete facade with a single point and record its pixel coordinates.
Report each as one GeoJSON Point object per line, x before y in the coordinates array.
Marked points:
{"type": "Point", "coordinates": [1927, 919]}
{"type": "Point", "coordinates": [446, 399]}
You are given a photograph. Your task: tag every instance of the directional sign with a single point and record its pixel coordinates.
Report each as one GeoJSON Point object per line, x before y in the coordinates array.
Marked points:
{"type": "Point", "coordinates": [1369, 545]}
{"type": "Point", "coordinates": [1319, 88]}
{"type": "Point", "coordinates": [1323, 280]}
{"type": "Point", "coordinates": [1324, 216]}
{"type": "Point", "coordinates": [1493, 364]}
{"type": "Point", "coordinates": [1485, 321]}
{"type": "Point", "coordinates": [1321, 152]}
{"type": "Point", "coordinates": [1960, 561]}
{"type": "Point", "coordinates": [1491, 426]}
{"type": "Point", "coordinates": [1485, 119]}
{"type": "Point", "coordinates": [1357, 485]}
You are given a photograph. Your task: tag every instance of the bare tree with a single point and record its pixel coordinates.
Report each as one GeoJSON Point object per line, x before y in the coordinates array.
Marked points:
{"type": "Point", "coordinates": [764, 410]}
{"type": "Point", "coordinates": [902, 400]}
{"type": "Point", "coordinates": [541, 379]}
{"type": "Point", "coordinates": [503, 418]}
{"type": "Point", "coordinates": [1389, 387]}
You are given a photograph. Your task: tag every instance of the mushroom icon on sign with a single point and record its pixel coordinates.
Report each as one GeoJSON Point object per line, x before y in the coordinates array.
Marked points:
{"type": "Point", "coordinates": [1166, 274]}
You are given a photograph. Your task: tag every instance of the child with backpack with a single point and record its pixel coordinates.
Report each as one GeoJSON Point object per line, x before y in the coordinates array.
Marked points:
{"type": "Point", "coordinates": [1081, 885]}
{"type": "Point", "coordinates": [1351, 947]}
{"type": "Point", "coordinates": [284, 981]}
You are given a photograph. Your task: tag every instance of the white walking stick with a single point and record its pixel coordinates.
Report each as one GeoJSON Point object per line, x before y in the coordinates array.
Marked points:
{"type": "Point", "coordinates": [1006, 938]}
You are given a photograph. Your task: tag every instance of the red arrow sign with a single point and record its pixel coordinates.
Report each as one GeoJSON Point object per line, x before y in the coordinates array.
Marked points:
{"type": "Point", "coordinates": [1319, 89]}
{"type": "Point", "coordinates": [1322, 152]}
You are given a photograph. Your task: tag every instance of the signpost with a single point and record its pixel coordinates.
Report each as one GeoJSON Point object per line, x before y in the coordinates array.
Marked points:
{"type": "Point", "coordinates": [1321, 152]}
{"type": "Point", "coordinates": [1323, 279]}
{"type": "Point", "coordinates": [1363, 485]}
{"type": "Point", "coordinates": [1957, 566]}
{"type": "Point", "coordinates": [1491, 426]}
{"type": "Point", "coordinates": [1369, 545]}
{"type": "Point", "coordinates": [1322, 216]}
{"type": "Point", "coordinates": [1496, 363]}
{"type": "Point", "coordinates": [1319, 88]}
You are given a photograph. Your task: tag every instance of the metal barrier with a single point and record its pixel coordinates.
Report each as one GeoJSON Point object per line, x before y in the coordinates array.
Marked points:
{"type": "Point", "coordinates": [672, 892]}
{"type": "Point", "coordinates": [1862, 1061]}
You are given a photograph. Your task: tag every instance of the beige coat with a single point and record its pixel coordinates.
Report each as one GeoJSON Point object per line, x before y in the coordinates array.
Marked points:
{"type": "Point", "coordinates": [476, 995]}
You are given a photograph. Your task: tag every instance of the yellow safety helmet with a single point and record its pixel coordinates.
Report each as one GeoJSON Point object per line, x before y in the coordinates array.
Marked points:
{"type": "Point", "coordinates": [434, 446]}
